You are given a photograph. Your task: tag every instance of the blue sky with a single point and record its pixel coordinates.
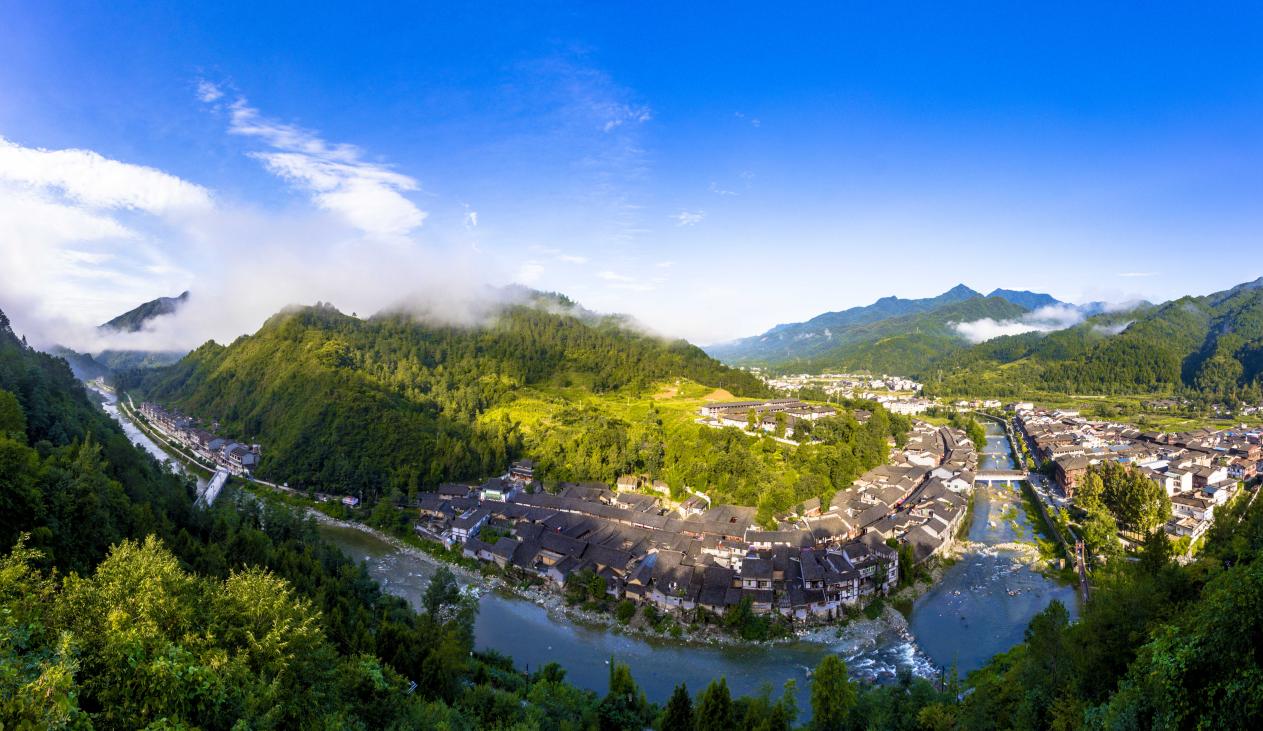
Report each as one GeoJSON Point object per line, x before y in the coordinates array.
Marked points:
{"type": "Point", "coordinates": [712, 169]}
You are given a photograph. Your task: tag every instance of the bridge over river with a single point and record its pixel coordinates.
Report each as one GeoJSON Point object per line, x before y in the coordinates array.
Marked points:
{"type": "Point", "coordinates": [995, 475]}
{"type": "Point", "coordinates": [207, 496]}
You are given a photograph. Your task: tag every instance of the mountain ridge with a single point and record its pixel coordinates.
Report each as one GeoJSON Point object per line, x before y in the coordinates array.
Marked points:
{"type": "Point", "coordinates": [755, 349]}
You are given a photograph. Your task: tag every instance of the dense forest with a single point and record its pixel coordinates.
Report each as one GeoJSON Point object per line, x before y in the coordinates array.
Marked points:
{"type": "Point", "coordinates": [1208, 349]}
{"type": "Point", "coordinates": [121, 606]}
{"type": "Point", "coordinates": [391, 404]}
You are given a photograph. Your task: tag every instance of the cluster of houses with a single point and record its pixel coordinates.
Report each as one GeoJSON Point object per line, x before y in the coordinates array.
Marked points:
{"type": "Point", "coordinates": [767, 415]}
{"type": "Point", "coordinates": [846, 385]}
{"type": "Point", "coordinates": [238, 458]}
{"type": "Point", "coordinates": [906, 405]}
{"type": "Point", "coordinates": [684, 555]}
{"type": "Point", "coordinates": [1199, 470]}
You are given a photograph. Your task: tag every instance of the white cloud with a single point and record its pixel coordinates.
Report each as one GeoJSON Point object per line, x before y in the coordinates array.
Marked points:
{"type": "Point", "coordinates": [84, 237]}
{"type": "Point", "coordinates": [208, 92]}
{"type": "Point", "coordinates": [529, 273]}
{"type": "Point", "coordinates": [1138, 274]}
{"type": "Point", "coordinates": [471, 219]}
{"type": "Point", "coordinates": [714, 188]}
{"type": "Point", "coordinates": [1112, 329]}
{"type": "Point", "coordinates": [1044, 319]}
{"type": "Point", "coordinates": [628, 283]}
{"type": "Point", "coordinates": [665, 264]}
{"type": "Point", "coordinates": [366, 195]}
{"type": "Point", "coordinates": [554, 253]}
{"type": "Point", "coordinates": [689, 218]}
{"type": "Point", "coordinates": [616, 115]}
{"type": "Point", "coordinates": [85, 177]}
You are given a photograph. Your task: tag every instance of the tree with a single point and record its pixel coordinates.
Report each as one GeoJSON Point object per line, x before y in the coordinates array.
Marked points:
{"type": "Point", "coordinates": [624, 706]}
{"type": "Point", "coordinates": [1137, 502]}
{"type": "Point", "coordinates": [781, 419]}
{"type": "Point", "coordinates": [1099, 530]}
{"type": "Point", "coordinates": [714, 708]}
{"type": "Point", "coordinates": [1090, 488]}
{"type": "Point", "coordinates": [752, 420]}
{"type": "Point", "coordinates": [678, 715]}
{"type": "Point", "coordinates": [832, 694]}
{"type": "Point", "coordinates": [1155, 552]}
{"type": "Point", "coordinates": [442, 592]}
{"type": "Point", "coordinates": [12, 418]}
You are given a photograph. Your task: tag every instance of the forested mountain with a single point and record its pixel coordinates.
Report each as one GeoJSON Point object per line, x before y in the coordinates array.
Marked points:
{"type": "Point", "coordinates": [1027, 299]}
{"type": "Point", "coordinates": [1210, 347]}
{"type": "Point", "coordinates": [905, 345]}
{"type": "Point", "coordinates": [135, 318]}
{"type": "Point", "coordinates": [391, 403]}
{"type": "Point", "coordinates": [87, 366]}
{"type": "Point", "coordinates": [800, 340]}
{"type": "Point", "coordinates": [891, 336]}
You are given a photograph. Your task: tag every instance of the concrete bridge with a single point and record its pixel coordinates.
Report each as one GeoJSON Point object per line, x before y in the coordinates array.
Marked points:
{"type": "Point", "coordinates": [213, 487]}
{"type": "Point", "coordinates": [1001, 476]}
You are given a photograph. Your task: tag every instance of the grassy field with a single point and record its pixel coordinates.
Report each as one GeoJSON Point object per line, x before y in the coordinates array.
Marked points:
{"type": "Point", "coordinates": [575, 435]}
{"type": "Point", "coordinates": [676, 403]}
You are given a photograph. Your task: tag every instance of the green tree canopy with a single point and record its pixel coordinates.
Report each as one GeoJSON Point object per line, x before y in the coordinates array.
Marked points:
{"type": "Point", "coordinates": [832, 695]}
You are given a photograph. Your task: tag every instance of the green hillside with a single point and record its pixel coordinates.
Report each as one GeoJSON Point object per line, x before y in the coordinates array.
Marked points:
{"type": "Point", "coordinates": [135, 318]}
{"type": "Point", "coordinates": [390, 404]}
{"type": "Point", "coordinates": [799, 341]}
{"type": "Point", "coordinates": [906, 345]}
{"type": "Point", "coordinates": [890, 336]}
{"type": "Point", "coordinates": [1209, 348]}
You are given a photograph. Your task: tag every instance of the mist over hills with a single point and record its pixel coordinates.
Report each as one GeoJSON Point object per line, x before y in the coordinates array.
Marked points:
{"type": "Point", "coordinates": [87, 366]}
{"type": "Point", "coordinates": [394, 401]}
{"type": "Point", "coordinates": [136, 318]}
{"type": "Point", "coordinates": [1208, 348]}
{"type": "Point", "coordinates": [894, 334]}
{"type": "Point", "coordinates": [1010, 342]}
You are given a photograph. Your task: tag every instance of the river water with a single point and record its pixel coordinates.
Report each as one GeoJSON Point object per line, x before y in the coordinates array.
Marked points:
{"type": "Point", "coordinates": [109, 403]}
{"type": "Point", "coordinates": [980, 607]}
{"type": "Point", "coordinates": [994, 592]}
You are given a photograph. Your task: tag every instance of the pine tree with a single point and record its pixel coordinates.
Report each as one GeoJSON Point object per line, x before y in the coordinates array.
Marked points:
{"type": "Point", "coordinates": [832, 695]}
{"type": "Point", "coordinates": [678, 715]}
{"type": "Point", "coordinates": [714, 708]}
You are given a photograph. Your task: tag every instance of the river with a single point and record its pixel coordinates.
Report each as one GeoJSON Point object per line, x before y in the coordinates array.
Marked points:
{"type": "Point", "coordinates": [980, 607]}
{"type": "Point", "coordinates": [991, 588]}
{"type": "Point", "coordinates": [109, 403]}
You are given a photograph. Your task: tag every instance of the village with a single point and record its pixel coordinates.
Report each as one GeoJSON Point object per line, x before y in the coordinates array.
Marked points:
{"type": "Point", "coordinates": [897, 394]}
{"type": "Point", "coordinates": [685, 554]}
{"type": "Point", "coordinates": [1199, 470]}
{"type": "Point", "coordinates": [674, 550]}
{"type": "Point", "coordinates": [235, 457]}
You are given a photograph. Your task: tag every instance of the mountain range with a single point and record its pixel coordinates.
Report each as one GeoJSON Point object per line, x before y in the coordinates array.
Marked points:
{"type": "Point", "coordinates": [1208, 348]}
{"type": "Point", "coordinates": [894, 335]}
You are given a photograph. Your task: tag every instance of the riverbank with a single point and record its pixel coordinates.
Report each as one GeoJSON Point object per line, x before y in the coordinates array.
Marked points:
{"type": "Point", "coordinates": [856, 629]}
{"type": "Point", "coordinates": [920, 626]}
